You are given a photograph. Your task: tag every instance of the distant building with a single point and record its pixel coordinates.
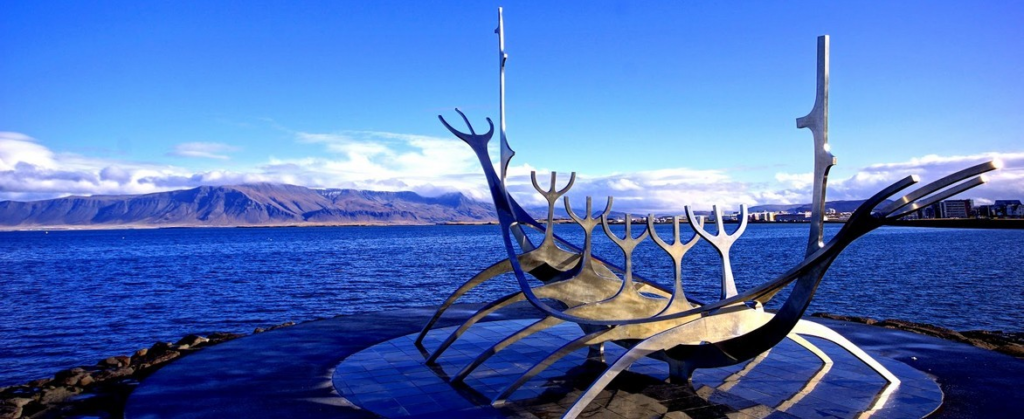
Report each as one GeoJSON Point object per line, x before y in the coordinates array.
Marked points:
{"type": "Point", "coordinates": [1006, 208]}
{"type": "Point", "coordinates": [800, 217]}
{"type": "Point", "coordinates": [763, 216]}
{"type": "Point", "coordinates": [931, 211]}
{"type": "Point", "coordinates": [956, 208]}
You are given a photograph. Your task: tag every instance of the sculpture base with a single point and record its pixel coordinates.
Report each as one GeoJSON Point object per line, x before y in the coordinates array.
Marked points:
{"type": "Point", "coordinates": [392, 380]}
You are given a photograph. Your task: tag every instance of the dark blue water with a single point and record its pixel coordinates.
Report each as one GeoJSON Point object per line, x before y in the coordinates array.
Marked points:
{"type": "Point", "coordinates": [69, 298]}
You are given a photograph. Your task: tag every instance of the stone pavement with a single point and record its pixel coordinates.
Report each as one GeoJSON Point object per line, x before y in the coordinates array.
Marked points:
{"type": "Point", "coordinates": [299, 371]}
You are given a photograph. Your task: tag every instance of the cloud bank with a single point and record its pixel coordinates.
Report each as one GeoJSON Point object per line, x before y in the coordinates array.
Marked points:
{"type": "Point", "coordinates": [430, 166]}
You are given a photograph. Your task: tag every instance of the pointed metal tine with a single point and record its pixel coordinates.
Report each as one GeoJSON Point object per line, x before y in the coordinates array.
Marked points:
{"type": "Point", "coordinates": [675, 228]}
{"type": "Point", "coordinates": [568, 209]}
{"type": "Point", "coordinates": [718, 220]}
{"type": "Point", "coordinates": [473, 139]}
{"type": "Point", "coordinates": [454, 131]}
{"type": "Point", "coordinates": [533, 178]}
{"type": "Point", "coordinates": [572, 180]}
{"type": "Point", "coordinates": [464, 118]}
{"type": "Point", "coordinates": [573, 215]}
{"type": "Point", "coordinates": [490, 129]}
{"type": "Point", "coordinates": [907, 209]}
{"type": "Point", "coordinates": [940, 184]}
{"type": "Point", "coordinates": [696, 223]}
{"type": "Point", "coordinates": [654, 236]}
{"type": "Point", "coordinates": [629, 231]}
{"type": "Point", "coordinates": [552, 193]}
{"type": "Point", "coordinates": [607, 207]}
{"type": "Point", "coordinates": [890, 190]}
{"type": "Point", "coordinates": [743, 220]}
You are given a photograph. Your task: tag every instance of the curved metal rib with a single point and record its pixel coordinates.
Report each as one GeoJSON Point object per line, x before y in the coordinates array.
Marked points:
{"type": "Point", "coordinates": [641, 350]}
{"type": "Point", "coordinates": [940, 184]}
{"type": "Point", "coordinates": [810, 328]}
{"type": "Point", "coordinates": [570, 347]}
{"type": "Point", "coordinates": [476, 317]}
{"type": "Point", "coordinates": [914, 206]}
{"type": "Point", "coordinates": [535, 327]}
{"type": "Point", "coordinates": [492, 271]}
{"type": "Point", "coordinates": [807, 388]}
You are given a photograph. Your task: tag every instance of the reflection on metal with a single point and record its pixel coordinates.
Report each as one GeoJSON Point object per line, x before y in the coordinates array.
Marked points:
{"type": "Point", "coordinates": [612, 304]}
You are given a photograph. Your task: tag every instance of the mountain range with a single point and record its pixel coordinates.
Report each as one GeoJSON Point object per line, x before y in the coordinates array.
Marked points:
{"type": "Point", "coordinates": [262, 204]}
{"type": "Point", "coordinates": [268, 204]}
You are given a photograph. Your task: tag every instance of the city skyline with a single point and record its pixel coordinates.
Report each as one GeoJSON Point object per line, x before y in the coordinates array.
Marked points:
{"type": "Point", "coordinates": [660, 105]}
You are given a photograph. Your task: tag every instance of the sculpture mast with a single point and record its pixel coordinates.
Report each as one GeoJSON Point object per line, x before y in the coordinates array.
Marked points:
{"type": "Point", "coordinates": [817, 122]}
{"type": "Point", "coordinates": [506, 151]}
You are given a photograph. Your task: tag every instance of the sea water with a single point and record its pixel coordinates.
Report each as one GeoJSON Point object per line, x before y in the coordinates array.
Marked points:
{"type": "Point", "coordinates": [70, 298]}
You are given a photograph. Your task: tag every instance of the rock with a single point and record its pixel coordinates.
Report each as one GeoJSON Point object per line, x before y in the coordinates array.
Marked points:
{"type": "Point", "coordinates": [18, 401]}
{"type": "Point", "coordinates": [159, 353]}
{"type": "Point", "coordinates": [109, 362]}
{"type": "Point", "coordinates": [69, 377]}
{"type": "Point", "coordinates": [924, 329]}
{"type": "Point", "coordinates": [981, 343]}
{"type": "Point", "coordinates": [114, 373]}
{"type": "Point", "coordinates": [42, 382]}
{"type": "Point", "coordinates": [158, 349]}
{"type": "Point", "coordinates": [140, 353]}
{"type": "Point", "coordinates": [218, 337]}
{"type": "Point", "coordinates": [9, 411]}
{"type": "Point", "coordinates": [86, 381]}
{"type": "Point", "coordinates": [56, 395]}
{"type": "Point", "coordinates": [1012, 349]}
{"type": "Point", "coordinates": [153, 361]}
{"type": "Point", "coordinates": [267, 329]}
{"type": "Point", "coordinates": [285, 324]}
{"type": "Point", "coordinates": [191, 341]}
{"type": "Point", "coordinates": [853, 319]}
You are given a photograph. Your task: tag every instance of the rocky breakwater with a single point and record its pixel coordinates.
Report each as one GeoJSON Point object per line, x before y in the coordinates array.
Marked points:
{"type": "Point", "coordinates": [101, 390]}
{"type": "Point", "coordinates": [1009, 343]}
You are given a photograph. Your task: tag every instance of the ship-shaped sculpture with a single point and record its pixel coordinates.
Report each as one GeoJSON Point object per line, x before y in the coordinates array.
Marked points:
{"type": "Point", "coordinates": [611, 304]}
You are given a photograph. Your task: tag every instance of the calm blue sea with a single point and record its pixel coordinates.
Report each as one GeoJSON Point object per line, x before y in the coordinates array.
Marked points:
{"type": "Point", "coordinates": [70, 298]}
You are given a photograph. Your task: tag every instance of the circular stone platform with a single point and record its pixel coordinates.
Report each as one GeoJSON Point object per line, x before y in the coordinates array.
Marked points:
{"type": "Point", "coordinates": [392, 380]}
{"type": "Point", "coordinates": [288, 373]}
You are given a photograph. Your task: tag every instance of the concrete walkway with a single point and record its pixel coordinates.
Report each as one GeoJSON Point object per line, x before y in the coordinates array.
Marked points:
{"type": "Point", "coordinates": [288, 372]}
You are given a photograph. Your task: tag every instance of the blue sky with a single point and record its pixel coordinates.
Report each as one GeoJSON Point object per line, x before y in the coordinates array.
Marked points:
{"type": "Point", "coordinates": [661, 104]}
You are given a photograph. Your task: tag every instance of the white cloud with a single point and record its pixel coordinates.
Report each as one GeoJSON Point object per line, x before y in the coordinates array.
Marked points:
{"type": "Point", "coordinates": [431, 166]}
{"type": "Point", "coordinates": [203, 150]}
{"type": "Point", "coordinates": [669, 190]}
{"type": "Point", "coordinates": [1003, 184]}
{"type": "Point", "coordinates": [18, 148]}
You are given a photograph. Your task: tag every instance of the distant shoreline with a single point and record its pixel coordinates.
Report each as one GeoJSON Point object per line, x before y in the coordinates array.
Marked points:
{"type": "Point", "coordinates": [935, 223]}
{"type": "Point", "coordinates": [181, 227]}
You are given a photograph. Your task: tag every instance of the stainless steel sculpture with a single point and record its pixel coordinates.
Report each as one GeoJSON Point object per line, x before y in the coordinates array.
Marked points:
{"type": "Point", "coordinates": [611, 304]}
